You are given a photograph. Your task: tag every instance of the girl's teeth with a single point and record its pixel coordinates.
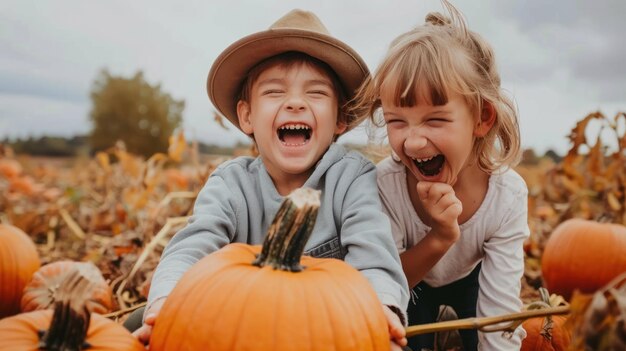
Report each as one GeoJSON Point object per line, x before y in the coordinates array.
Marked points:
{"type": "Point", "coordinates": [423, 159]}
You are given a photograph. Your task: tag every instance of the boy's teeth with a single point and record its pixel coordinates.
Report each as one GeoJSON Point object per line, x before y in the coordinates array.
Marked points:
{"type": "Point", "coordinates": [295, 126]}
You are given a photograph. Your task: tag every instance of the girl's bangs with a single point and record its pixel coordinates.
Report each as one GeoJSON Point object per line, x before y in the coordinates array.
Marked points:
{"type": "Point", "coordinates": [413, 78]}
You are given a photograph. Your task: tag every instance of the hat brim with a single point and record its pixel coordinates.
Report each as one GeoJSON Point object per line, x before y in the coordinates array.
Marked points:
{"type": "Point", "coordinates": [232, 66]}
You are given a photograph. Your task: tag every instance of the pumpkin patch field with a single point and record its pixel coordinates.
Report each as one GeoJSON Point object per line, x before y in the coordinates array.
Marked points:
{"type": "Point", "coordinates": [101, 223]}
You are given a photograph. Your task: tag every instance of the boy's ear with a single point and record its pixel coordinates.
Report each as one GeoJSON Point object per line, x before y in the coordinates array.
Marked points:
{"type": "Point", "coordinates": [243, 114]}
{"type": "Point", "coordinates": [486, 121]}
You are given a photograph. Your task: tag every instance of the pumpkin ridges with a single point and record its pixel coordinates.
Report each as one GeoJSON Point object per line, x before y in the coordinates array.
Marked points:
{"type": "Point", "coordinates": [18, 261]}
{"type": "Point", "coordinates": [257, 294]}
{"type": "Point", "coordinates": [267, 302]}
{"type": "Point", "coordinates": [583, 254]}
{"type": "Point", "coordinates": [546, 333]}
{"type": "Point", "coordinates": [20, 331]}
{"type": "Point", "coordinates": [340, 307]}
{"type": "Point", "coordinates": [356, 299]}
{"type": "Point", "coordinates": [240, 278]}
{"type": "Point", "coordinates": [210, 278]}
{"type": "Point", "coordinates": [69, 324]}
{"type": "Point", "coordinates": [374, 319]}
{"type": "Point", "coordinates": [39, 292]}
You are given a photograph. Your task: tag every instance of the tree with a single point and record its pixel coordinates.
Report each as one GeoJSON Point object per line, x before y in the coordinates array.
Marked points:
{"type": "Point", "coordinates": [132, 110]}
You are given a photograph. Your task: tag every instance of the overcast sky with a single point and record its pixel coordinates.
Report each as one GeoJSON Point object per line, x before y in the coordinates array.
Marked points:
{"type": "Point", "coordinates": [560, 59]}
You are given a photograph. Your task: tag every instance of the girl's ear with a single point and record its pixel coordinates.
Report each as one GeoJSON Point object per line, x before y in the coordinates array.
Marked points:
{"type": "Point", "coordinates": [243, 114]}
{"type": "Point", "coordinates": [486, 121]}
{"type": "Point", "coordinates": [341, 127]}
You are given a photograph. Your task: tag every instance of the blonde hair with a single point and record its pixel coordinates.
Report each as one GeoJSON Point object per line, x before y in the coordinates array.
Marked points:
{"type": "Point", "coordinates": [438, 57]}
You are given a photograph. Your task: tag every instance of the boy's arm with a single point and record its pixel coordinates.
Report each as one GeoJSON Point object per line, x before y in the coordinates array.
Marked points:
{"type": "Point", "coordinates": [500, 275]}
{"type": "Point", "coordinates": [366, 234]}
{"type": "Point", "coordinates": [211, 227]}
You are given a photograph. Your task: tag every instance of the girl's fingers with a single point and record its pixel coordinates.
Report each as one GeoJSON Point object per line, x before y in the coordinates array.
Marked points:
{"type": "Point", "coordinates": [433, 192]}
{"type": "Point", "coordinates": [449, 204]}
{"type": "Point", "coordinates": [452, 212]}
{"type": "Point", "coordinates": [423, 189]}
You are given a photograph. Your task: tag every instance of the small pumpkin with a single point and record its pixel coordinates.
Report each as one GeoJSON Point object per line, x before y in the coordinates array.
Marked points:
{"type": "Point", "coordinates": [246, 297]}
{"type": "Point", "coordinates": [18, 261]}
{"type": "Point", "coordinates": [584, 255]}
{"type": "Point", "coordinates": [10, 168]}
{"type": "Point", "coordinates": [546, 333]}
{"type": "Point", "coordinates": [71, 325]}
{"type": "Point", "coordinates": [40, 291]}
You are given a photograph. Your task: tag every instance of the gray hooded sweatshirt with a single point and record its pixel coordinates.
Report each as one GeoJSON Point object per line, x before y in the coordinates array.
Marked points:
{"type": "Point", "coordinates": [239, 202]}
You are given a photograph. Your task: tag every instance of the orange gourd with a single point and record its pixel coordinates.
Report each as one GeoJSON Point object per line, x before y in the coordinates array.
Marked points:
{"type": "Point", "coordinates": [10, 168]}
{"type": "Point", "coordinates": [40, 291]}
{"type": "Point", "coordinates": [260, 298]}
{"type": "Point", "coordinates": [546, 333]}
{"type": "Point", "coordinates": [18, 261]}
{"type": "Point", "coordinates": [70, 326]}
{"type": "Point", "coordinates": [584, 255]}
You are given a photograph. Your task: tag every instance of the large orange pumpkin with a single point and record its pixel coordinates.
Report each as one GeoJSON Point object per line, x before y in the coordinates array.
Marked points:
{"type": "Point", "coordinates": [18, 261]}
{"type": "Point", "coordinates": [260, 298]}
{"type": "Point", "coordinates": [584, 255]}
{"type": "Point", "coordinates": [40, 291]}
{"type": "Point", "coordinates": [546, 333]}
{"type": "Point", "coordinates": [71, 326]}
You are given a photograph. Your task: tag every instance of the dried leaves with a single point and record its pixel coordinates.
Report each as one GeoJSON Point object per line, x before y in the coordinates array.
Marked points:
{"type": "Point", "coordinates": [105, 210]}
{"type": "Point", "coordinates": [589, 183]}
{"type": "Point", "coordinates": [598, 321]}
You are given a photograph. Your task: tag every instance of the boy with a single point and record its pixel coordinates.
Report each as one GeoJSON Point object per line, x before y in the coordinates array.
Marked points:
{"type": "Point", "coordinates": [286, 88]}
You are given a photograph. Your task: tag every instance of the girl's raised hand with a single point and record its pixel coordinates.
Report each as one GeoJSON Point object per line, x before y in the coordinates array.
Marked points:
{"type": "Point", "coordinates": [443, 207]}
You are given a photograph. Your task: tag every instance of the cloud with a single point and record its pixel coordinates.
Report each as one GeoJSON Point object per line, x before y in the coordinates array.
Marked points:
{"type": "Point", "coordinates": [560, 59]}
{"type": "Point", "coordinates": [27, 115]}
{"type": "Point", "coordinates": [585, 38]}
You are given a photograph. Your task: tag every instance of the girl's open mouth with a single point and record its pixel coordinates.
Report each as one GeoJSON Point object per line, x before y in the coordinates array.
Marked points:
{"type": "Point", "coordinates": [430, 166]}
{"type": "Point", "coordinates": [294, 134]}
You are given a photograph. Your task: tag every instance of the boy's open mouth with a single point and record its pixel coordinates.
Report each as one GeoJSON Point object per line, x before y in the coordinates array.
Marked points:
{"type": "Point", "coordinates": [430, 166]}
{"type": "Point", "coordinates": [294, 134]}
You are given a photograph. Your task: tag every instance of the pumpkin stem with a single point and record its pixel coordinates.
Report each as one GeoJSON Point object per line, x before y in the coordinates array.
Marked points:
{"type": "Point", "coordinates": [287, 235]}
{"type": "Point", "coordinates": [546, 330]}
{"type": "Point", "coordinates": [71, 316]}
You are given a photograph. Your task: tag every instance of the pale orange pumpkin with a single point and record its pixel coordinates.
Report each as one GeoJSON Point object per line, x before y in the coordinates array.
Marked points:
{"type": "Point", "coordinates": [546, 333]}
{"type": "Point", "coordinates": [260, 298]}
{"type": "Point", "coordinates": [40, 291]}
{"type": "Point", "coordinates": [10, 168]}
{"type": "Point", "coordinates": [583, 255]}
{"type": "Point", "coordinates": [70, 326]}
{"type": "Point", "coordinates": [18, 261]}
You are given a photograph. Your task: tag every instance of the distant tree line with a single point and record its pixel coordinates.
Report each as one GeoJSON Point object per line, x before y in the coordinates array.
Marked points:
{"type": "Point", "coordinates": [55, 146]}
{"type": "Point", "coordinates": [50, 146]}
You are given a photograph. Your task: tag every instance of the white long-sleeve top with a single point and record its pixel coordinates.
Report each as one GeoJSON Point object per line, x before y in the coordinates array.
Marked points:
{"type": "Point", "coordinates": [494, 235]}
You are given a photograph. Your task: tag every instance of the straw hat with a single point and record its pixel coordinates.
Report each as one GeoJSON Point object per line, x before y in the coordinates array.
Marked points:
{"type": "Point", "coordinates": [298, 31]}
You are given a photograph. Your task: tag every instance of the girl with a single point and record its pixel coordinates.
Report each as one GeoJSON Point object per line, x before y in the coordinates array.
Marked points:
{"type": "Point", "coordinates": [458, 210]}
